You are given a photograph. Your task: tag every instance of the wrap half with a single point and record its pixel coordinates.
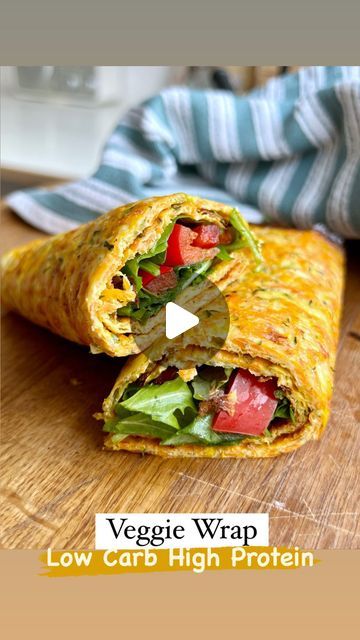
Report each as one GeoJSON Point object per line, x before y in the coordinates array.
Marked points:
{"type": "Point", "coordinates": [108, 280]}
{"type": "Point", "coordinates": [268, 390]}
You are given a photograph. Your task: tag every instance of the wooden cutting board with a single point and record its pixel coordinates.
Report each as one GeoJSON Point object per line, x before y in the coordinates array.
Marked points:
{"type": "Point", "coordinates": [55, 475]}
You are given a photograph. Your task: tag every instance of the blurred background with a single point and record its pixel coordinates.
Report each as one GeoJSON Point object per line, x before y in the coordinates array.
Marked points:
{"type": "Point", "coordinates": [55, 120]}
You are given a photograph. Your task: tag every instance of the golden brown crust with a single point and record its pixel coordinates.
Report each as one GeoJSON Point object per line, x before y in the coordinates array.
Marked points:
{"type": "Point", "coordinates": [284, 444]}
{"type": "Point", "coordinates": [64, 283]}
{"type": "Point", "coordinates": [284, 324]}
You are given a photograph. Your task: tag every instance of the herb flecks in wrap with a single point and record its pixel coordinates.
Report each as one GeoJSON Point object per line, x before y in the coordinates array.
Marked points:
{"type": "Point", "coordinates": [91, 285]}
{"type": "Point", "coordinates": [284, 322]}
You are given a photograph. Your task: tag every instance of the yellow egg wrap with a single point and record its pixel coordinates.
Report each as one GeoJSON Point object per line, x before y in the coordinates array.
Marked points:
{"type": "Point", "coordinates": [284, 323]}
{"type": "Point", "coordinates": [65, 282]}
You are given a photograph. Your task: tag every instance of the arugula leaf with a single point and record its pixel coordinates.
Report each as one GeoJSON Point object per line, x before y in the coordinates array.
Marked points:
{"type": "Point", "coordinates": [110, 425]}
{"type": "Point", "coordinates": [279, 394]}
{"type": "Point", "coordinates": [181, 438]}
{"type": "Point", "coordinates": [140, 424]}
{"type": "Point", "coordinates": [121, 412]}
{"type": "Point", "coordinates": [131, 269]}
{"type": "Point", "coordinates": [148, 262]}
{"type": "Point", "coordinates": [160, 401]}
{"type": "Point", "coordinates": [284, 409]}
{"type": "Point", "coordinates": [117, 437]}
{"type": "Point", "coordinates": [132, 388]}
{"type": "Point", "coordinates": [201, 433]}
{"type": "Point", "coordinates": [223, 253]}
{"type": "Point", "coordinates": [208, 380]}
{"type": "Point", "coordinates": [246, 235]}
{"type": "Point", "coordinates": [161, 245]}
{"type": "Point", "coordinates": [201, 388]}
{"type": "Point", "coordinates": [200, 427]}
{"type": "Point", "coordinates": [150, 267]}
{"type": "Point", "coordinates": [192, 273]}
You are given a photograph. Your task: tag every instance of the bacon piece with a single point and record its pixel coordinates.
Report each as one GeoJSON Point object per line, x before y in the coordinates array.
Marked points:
{"type": "Point", "coordinates": [219, 401]}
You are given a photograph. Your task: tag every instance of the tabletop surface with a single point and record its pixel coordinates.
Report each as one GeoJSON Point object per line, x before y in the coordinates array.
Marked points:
{"type": "Point", "coordinates": [55, 475]}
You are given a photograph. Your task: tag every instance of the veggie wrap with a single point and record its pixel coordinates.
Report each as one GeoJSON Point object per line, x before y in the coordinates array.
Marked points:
{"type": "Point", "coordinates": [268, 390]}
{"type": "Point", "coordinates": [107, 280]}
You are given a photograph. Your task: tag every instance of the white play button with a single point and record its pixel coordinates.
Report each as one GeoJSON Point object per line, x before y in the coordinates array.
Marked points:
{"type": "Point", "coordinates": [177, 323]}
{"type": "Point", "coordinates": [178, 320]}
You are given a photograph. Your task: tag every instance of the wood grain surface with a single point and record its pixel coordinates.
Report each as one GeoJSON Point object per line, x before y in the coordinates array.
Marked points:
{"type": "Point", "coordinates": [55, 475]}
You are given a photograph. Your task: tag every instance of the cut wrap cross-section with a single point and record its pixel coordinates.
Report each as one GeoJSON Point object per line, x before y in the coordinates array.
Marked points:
{"type": "Point", "coordinates": [284, 323]}
{"type": "Point", "coordinates": [84, 284]}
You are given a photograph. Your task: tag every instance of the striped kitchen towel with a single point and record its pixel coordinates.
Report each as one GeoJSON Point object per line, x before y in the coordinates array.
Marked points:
{"type": "Point", "coordinates": [288, 152]}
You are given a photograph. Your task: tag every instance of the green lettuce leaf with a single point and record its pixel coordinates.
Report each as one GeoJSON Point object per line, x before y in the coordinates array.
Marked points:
{"type": "Point", "coordinates": [180, 438]}
{"type": "Point", "coordinates": [201, 388]}
{"type": "Point", "coordinates": [284, 409]}
{"type": "Point", "coordinates": [223, 254]}
{"type": "Point", "coordinates": [140, 424]}
{"type": "Point", "coordinates": [110, 425]}
{"type": "Point", "coordinates": [161, 401]}
{"type": "Point", "coordinates": [201, 432]}
{"type": "Point", "coordinates": [208, 380]}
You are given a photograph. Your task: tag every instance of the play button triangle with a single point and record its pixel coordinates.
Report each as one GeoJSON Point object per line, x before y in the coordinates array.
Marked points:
{"type": "Point", "coordinates": [178, 320]}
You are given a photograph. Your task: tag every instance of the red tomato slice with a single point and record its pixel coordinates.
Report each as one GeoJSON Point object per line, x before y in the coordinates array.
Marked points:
{"type": "Point", "coordinates": [147, 277]}
{"type": "Point", "coordinates": [254, 406]}
{"type": "Point", "coordinates": [163, 282]}
{"type": "Point", "coordinates": [158, 284]}
{"type": "Point", "coordinates": [226, 236]}
{"type": "Point", "coordinates": [180, 248]}
{"type": "Point", "coordinates": [208, 235]}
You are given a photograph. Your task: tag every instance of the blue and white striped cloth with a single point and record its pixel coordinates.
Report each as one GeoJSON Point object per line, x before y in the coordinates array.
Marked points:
{"type": "Point", "coordinates": [287, 152]}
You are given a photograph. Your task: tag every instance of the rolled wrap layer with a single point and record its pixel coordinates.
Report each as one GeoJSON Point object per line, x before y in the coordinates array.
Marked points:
{"type": "Point", "coordinates": [284, 323]}
{"type": "Point", "coordinates": [65, 283]}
